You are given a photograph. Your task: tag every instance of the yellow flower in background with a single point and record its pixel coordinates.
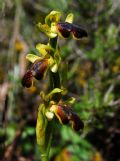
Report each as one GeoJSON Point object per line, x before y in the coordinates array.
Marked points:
{"type": "Point", "coordinates": [97, 157]}
{"type": "Point", "coordinates": [64, 155]}
{"type": "Point", "coordinates": [116, 66]}
{"type": "Point", "coordinates": [115, 69]}
{"type": "Point", "coordinates": [19, 46]}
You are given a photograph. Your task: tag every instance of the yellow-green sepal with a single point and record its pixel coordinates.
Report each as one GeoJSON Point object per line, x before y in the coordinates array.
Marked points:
{"type": "Point", "coordinates": [44, 49]}
{"type": "Point", "coordinates": [41, 126]}
{"type": "Point", "coordinates": [32, 58]}
{"type": "Point", "coordinates": [54, 68]}
{"type": "Point", "coordinates": [53, 65]}
{"type": "Point", "coordinates": [69, 18]}
{"type": "Point", "coordinates": [47, 30]}
{"type": "Point", "coordinates": [70, 101]}
{"type": "Point", "coordinates": [51, 94]}
{"type": "Point", "coordinates": [55, 61]}
{"type": "Point", "coordinates": [53, 16]}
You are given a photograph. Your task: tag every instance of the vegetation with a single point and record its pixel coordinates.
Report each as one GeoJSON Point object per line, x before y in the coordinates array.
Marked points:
{"type": "Point", "coordinates": [91, 77]}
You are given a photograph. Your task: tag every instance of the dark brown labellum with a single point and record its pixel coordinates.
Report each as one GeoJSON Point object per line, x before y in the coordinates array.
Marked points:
{"type": "Point", "coordinates": [77, 124]}
{"type": "Point", "coordinates": [66, 115]}
{"type": "Point", "coordinates": [79, 32]}
{"type": "Point", "coordinates": [62, 115]}
{"type": "Point", "coordinates": [27, 79]}
{"type": "Point", "coordinates": [64, 28]}
{"type": "Point", "coordinates": [38, 68]}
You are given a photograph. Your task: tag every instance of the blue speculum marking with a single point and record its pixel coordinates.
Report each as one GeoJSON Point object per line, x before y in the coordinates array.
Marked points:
{"type": "Point", "coordinates": [36, 66]}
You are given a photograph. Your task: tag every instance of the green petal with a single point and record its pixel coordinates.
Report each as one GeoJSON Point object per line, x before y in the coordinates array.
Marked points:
{"type": "Point", "coordinates": [53, 64]}
{"type": "Point", "coordinates": [54, 68]}
{"type": "Point", "coordinates": [69, 18]}
{"type": "Point", "coordinates": [47, 30]}
{"type": "Point", "coordinates": [32, 58]}
{"type": "Point", "coordinates": [53, 16]}
{"type": "Point", "coordinates": [55, 90]}
{"type": "Point", "coordinates": [49, 115]}
{"type": "Point", "coordinates": [70, 100]}
{"type": "Point", "coordinates": [44, 49]}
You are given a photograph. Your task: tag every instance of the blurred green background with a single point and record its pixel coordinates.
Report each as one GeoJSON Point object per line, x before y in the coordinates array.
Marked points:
{"type": "Point", "coordinates": [93, 79]}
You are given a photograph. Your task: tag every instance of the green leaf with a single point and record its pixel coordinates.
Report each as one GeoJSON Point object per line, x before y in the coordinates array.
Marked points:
{"type": "Point", "coordinates": [41, 126]}
{"type": "Point", "coordinates": [30, 130]}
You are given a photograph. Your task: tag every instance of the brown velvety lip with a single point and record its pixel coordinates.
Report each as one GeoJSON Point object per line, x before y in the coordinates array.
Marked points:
{"type": "Point", "coordinates": [65, 29]}
{"type": "Point", "coordinates": [39, 68]}
{"type": "Point", "coordinates": [79, 32]}
{"type": "Point", "coordinates": [66, 115]}
{"type": "Point", "coordinates": [27, 79]}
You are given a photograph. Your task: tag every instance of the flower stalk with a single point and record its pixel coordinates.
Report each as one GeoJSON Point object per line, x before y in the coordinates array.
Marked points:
{"type": "Point", "coordinates": [55, 77]}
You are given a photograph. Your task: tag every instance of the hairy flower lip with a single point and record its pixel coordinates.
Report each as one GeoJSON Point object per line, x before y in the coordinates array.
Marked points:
{"type": "Point", "coordinates": [60, 113]}
{"type": "Point", "coordinates": [66, 28]}
{"type": "Point", "coordinates": [77, 124]}
{"type": "Point", "coordinates": [65, 25]}
{"type": "Point", "coordinates": [27, 79]}
{"type": "Point", "coordinates": [37, 70]}
{"type": "Point", "coordinates": [78, 32]}
{"type": "Point", "coordinates": [65, 115]}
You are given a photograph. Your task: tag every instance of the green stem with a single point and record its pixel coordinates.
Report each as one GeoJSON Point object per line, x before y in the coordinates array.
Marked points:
{"type": "Point", "coordinates": [55, 77]}
{"type": "Point", "coordinates": [44, 157]}
{"type": "Point", "coordinates": [54, 83]}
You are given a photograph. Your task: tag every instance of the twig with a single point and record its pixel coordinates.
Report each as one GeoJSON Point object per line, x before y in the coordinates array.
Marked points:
{"type": "Point", "coordinates": [11, 148]}
{"type": "Point", "coordinates": [115, 103]}
{"type": "Point", "coordinates": [16, 28]}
